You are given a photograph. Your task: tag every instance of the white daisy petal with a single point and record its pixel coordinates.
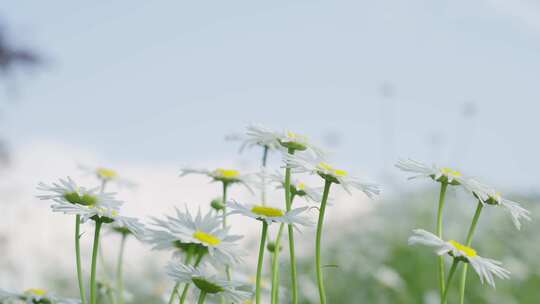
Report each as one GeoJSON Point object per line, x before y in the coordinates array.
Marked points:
{"type": "Point", "coordinates": [316, 165]}
{"type": "Point", "coordinates": [205, 280]}
{"type": "Point", "coordinates": [271, 215]}
{"type": "Point", "coordinates": [485, 268]}
{"type": "Point", "coordinates": [203, 231]}
{"type": "Point", "coordinates": [34, 295]}
{"type": "Point", "coordinates": [229, 176]}
{"type": "Point", "coordinates": [490, 197]}
{"type": "Point", "coordinates": [439, 174]}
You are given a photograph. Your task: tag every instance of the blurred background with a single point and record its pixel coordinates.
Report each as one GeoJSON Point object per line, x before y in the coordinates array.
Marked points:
{"type": "Point", "coordinates": [147, 88]}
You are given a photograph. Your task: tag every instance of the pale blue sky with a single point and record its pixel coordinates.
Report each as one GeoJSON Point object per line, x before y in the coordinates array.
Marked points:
{"type": "Point", "coordinates": [164, 81]}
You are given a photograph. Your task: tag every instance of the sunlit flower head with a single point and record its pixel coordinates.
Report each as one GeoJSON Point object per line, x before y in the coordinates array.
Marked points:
{"type": "Point", "coordinates": [271, 214]}
{"type": "Point", "coordinates": [70, 198]}
{"type": "Point", "coordinates": [208, 282]}
{"type": "Point", "coordinates": [34, 296]}
{"type": "Point", "coordinates": [490, 196]}
{"type": "Point", "coordinates": [204, 232]}
{"type": "Point", "coordinates": [298, 188]}
{"type": "Point", "coordinates": [228, 176]}
{"type": "Point", "coordinates": [105, 174]}
{"type": "Point", "coordinates": [439, 174]}
{"type": "Point", "coordinates": [312, 164]}
{"type": "Point", "coordinates": [485, 268]}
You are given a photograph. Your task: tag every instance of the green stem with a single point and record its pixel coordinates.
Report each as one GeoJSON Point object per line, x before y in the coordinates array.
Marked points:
{"type": "Point", "coordinates": [202, 296]}
{"type": "Point", "coordinates": [78, 258]}
{"type": "Point", "coordinates": [93, 289]}
{"type": "Point", "coordinates": [263, 178]}
{"type": "Point", "coordinates": [224, 198]}
{"type": "Point", "coordinates": [119, 274]}
{"type": "Point", "coordinates": [260, 263]}
{"type": "Point", "coordinates": [472, 229]}
{"type": "Point", "coordinates": [275, 266]}
{"type": "Point", "coordinates": [275, 263]}
{"type": "Point", "coordinates": [320, 281]}
{"type": "Point", "coordinates": [187, 261]}
{"type": "Point", "coordinates": [174, 293]}
{"type": "Point", "coordinates": [288, 205]}
{"type": "Point", "coordinates": [111, 294]}
{"type": "Point", "coordinates": [225, 185]}
{"type": "Point", "coordinates": [442, 196]}
{"type": "Point", "coordinates": [449, 280]}
{"type": "Point", "coordinates": [186, 287]}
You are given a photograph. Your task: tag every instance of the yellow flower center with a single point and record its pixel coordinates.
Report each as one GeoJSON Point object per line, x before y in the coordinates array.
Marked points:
{"type": "Point", "coordinates": [497, 196]}
{"type": "Point", "coordinates": [468, 251]}
{"type": "Point", "coordinates": [332, 170]}
{"type": "Point", "coordinates": [106, 173]}
{"type": "Point", "coordinates": [291, 135]}
{"type": "Point", "coordinates": [267, 211]}
{"type": "Point", "coordinates": [301, 186]}
{"type": "Point", "coordinates": [448, 172]}
{"type": "Point", "coordinates": [206, 238]}
{"type": "Point", "coordinates": [36, 292]}
{"type": "Point", "coordinates": [227, 173]}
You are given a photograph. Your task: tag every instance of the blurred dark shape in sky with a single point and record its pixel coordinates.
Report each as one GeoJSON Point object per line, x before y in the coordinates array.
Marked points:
{"type": "Point", "coordinates": [387, 90]}
{"type": "Point", "coordinates": [332, 138]}
{"type": "Point", "coordinates": [13, 56]}
{"type": "Point", "coordinates": [469, 109]}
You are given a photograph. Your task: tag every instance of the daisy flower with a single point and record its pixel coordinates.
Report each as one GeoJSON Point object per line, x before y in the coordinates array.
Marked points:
{"type": "Point", "coordinates": [226, 176]}
{"type": "Point", "coordinates": [70, 198]}
{"type": "Point", "coordinates": [261, 136]}
{"type": "Point", "coordinates": [489, 196]}
{"type": "Point", "coordinates": [485, 268]}
{"type": "Point", "coordinates": [256, 135]}
{"type": "Point", "coordinates": [128, 226]}
{"type": "Point", "coordinates": [202, 231]}
{"type": "Point", "coordinates": [312, 164]}
{"type": "Point", "coordinates": [106, 175]}
{"type": "Point", "coordinates": [438, 174]}
{"type": "Point", "coordinates": [297, 187]}
{"type": "Point", "coordinates": [34, 296]}
{"type": "Point", "coordinates": [271, 214]}
{"type": "Point", "coordinates": [207, 282]}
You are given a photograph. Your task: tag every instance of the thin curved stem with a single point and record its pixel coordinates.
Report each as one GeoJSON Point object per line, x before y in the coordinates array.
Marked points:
{"type": "Point", "coordinates": [93, 289]}
{"type": "Point", "coordinates": [202, 297]}
{"type": "Point", "coordinates": [468, 241]}
{"type": "Point", "coordinates": [320, 280]}
{"type": "Point", "coordinates": [119, 274]}
{"type": "Point", "coordinates": [78, 258]}
{"type": "Point", "coordinates": [260, 263]}
{"type": "Point", "coordinates": [186, 287]}
{"type": "Point", "coordinates": [449, 280]}
{"type": "Point", "coordinates": [442, 197]}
